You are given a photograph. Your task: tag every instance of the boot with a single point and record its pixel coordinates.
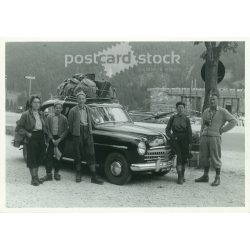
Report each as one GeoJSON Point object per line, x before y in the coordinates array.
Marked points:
{"type": "Point", "coordinates": [34, 180]}
{"type": "Point", "coordinates": [183, 175]}
{"type": "Point", "coordinates": [180, 178]}
{"type": "Point", "coordinates": [183, 172]}
{"type": "Point", "coordinates": [57, 168]}
{"type": "Point", "coordinates": [78, 173]}
{"type": "Point", "coordinates": [95, 179]}
{"type": "Point", "coordinates": [47, 177]}
{"type": "Point", "coordinates": [57, 176]}
{"type": "Point", "coordinates": [216, 181]}
{"type": "Point", "coordinates": [78, 176]}
{"type": "Point", "coordinates": [179, 172]}
{"type": "Point", "coordinates": [38, 179]}
{"type": "Point", "coordinates": [204, 177]}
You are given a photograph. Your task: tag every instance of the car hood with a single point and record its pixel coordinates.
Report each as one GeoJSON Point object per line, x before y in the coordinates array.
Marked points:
{"type": "Point", "coordinates": [130, 130]}
{"type": "Point", "coordinates": [162, 127]}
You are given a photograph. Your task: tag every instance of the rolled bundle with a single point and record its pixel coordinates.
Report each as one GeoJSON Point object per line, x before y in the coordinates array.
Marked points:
{"type": "Point", "coordinates": [66, 88]}
{"type": "Point", "coordinates": [79, 76]}
{"type": "Point", "coordinates": [87, 84]}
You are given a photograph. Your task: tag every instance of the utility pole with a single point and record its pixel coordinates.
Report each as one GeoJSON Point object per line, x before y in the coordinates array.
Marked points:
{"type": "Point", "coordinates": [30, 78]}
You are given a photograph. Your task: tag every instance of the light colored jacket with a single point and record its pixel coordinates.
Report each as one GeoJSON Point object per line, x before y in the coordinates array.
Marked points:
{"type": "Point", "coordinates": [218, 121]}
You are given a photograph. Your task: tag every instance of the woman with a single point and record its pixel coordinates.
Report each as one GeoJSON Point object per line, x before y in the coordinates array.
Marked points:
{"type": "Point", "coordinates": [32, 126]}
{"type": "Point", "coordinates": [180, 133]}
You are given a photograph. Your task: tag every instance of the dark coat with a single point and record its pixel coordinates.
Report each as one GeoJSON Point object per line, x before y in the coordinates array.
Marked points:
{"type": "Point", "coordinates": [62, 126]}
{"type": "Point", "coordinates": [26, 125]}
{"type": "Point", "coordinates": [74, 120]}
{"type": "Point", "coordinates": [179, 126]}
{"type": "Point", "coordinates": [27, 122]}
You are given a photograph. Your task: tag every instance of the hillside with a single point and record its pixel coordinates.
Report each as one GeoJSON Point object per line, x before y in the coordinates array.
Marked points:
{"type": "Point", "coordinates": [45, 60]}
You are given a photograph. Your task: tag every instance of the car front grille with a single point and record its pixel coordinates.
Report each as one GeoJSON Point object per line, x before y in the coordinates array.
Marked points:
{"type": "Point", "coordinates": [156, 154]}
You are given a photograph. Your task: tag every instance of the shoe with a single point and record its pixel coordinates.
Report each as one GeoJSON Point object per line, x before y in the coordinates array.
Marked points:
{"type": "Point", "coordinates": [34, 180]}
{"type": "Point", "coordinates": [57, 176]}
{"type": "Point", "coordinates": [203, 178]}
{"type": "Point", "coordinates": [47, 177]}
{"type": "Point", "coordinates": [78, 176]}
{"type": "Point", "coordinates": [95, 179]}
{"type": "Point", "coordinates": [184, 167]}
{"type": "Point", "coordinates": [216, 181]}
{"type": "Point", "coordinates": [40, 181]}
{"type": "Point", "coordinates": [36, 176]}
{"type": "Point", "coordinates": [180, 178]}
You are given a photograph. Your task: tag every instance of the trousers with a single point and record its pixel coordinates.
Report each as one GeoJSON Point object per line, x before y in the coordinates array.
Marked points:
{"type": "Point", "coordinates": [52, 162]}
{"type": "Point", "coordinates": [84, 149]}
{"type": "Point", "coordinates": [210, 151]}
{"type": "Point", "coordinates": [181, 148]}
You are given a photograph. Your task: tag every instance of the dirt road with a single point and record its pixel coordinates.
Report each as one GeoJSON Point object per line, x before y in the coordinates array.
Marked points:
{"type": "Point", "coordinates": [142, 191]}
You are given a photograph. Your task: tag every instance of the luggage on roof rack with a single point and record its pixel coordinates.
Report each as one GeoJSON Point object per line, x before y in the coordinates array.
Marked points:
{"type": "Point", "coordinates": [87, 84]}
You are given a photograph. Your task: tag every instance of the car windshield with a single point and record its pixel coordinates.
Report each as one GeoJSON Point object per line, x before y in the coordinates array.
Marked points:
{"type": "Point", "coordinates": [102, 115]}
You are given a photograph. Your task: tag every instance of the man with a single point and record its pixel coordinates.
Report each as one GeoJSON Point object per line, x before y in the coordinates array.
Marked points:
{"type": "Point", "coordinates": [57, 129]}
{"type": "Point", "coordinates": [213, 125]}
{"type": "Point", "coordinates": [80, 127]}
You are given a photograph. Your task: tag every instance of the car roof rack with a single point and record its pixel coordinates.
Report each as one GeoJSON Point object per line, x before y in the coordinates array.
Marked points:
{"type": "Point", "coordinates": [89, 99]}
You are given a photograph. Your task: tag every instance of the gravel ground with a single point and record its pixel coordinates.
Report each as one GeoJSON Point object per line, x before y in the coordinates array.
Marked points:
{"type": "Point", "coordinates": [142, 191]}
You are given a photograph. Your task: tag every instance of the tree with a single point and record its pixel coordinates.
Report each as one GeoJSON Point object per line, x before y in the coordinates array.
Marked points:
{"type": "Point", "coordinates": [212, 56]}
{"type": "Point", "coordinates": [11, 106]}
{"type": "Point", "coordinates": [7, 105]}
{"type": "Point", "coordinates": [21, 99]}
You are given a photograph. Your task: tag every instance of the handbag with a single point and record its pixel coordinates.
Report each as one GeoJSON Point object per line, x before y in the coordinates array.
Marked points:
{"type": "Point", "coordinates": [18, 139]}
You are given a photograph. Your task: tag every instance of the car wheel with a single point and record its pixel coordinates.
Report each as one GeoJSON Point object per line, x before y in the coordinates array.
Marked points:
{"type": "Point", "coordinates": [161, 173]}
{"type": "Point", "coordinates": [25, 152]}
{"type": "Point", "coordinates": [116, 169]}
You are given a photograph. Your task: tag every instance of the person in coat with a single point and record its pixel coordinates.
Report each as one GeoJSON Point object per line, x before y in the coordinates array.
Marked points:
{"type": "Point", "coordinates": [80, 126]}
{"type": "Point", "coordinates": [57, 130]}
{"type": "Point", "coordinates": [32, 126]}
{"type": "Point", "coordinates": [180, 133]}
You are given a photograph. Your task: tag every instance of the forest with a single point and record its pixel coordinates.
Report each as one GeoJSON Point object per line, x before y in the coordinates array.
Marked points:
{"type": "Point", "coordinates": [45, 61]}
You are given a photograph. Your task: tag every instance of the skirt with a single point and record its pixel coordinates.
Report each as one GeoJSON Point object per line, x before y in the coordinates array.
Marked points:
{"type": "Point", "coordinates": [36, 149]}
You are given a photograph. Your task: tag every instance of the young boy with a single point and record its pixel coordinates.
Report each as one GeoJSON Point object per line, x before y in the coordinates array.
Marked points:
{"type": "Point", "coordinates": [57, 128]}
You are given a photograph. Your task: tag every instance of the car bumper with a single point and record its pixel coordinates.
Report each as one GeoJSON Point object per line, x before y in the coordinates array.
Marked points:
{"type": "Point", "coordinates": [152, 166]}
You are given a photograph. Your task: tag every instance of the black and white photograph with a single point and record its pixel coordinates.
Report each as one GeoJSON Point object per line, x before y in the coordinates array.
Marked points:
{"type": "Point", "coordinates": [125, 124]}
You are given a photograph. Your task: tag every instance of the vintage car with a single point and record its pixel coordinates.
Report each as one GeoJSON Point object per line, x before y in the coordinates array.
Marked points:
{"type": "Point", "coordinates": [122, 148]}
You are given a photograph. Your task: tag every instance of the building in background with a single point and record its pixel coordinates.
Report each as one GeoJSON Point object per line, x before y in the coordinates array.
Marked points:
{"type": "Point", "coordinates": [164, 99]}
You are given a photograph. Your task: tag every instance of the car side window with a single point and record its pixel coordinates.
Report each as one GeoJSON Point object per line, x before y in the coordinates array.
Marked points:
{"type": "Point", "coordinates": [66, 111]}
{"type": "Point", "coordinates": [49, 110]}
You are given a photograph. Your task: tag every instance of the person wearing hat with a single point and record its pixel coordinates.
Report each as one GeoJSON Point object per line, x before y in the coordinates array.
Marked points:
{"type": "Point", "coordinates": [215, 121]}
{"type": "Point", "coordinates": [57, 130]}
{"type": "Point", "coordinates": [180, 133]}
{"type": "Point", "coordinates": [80, 127]}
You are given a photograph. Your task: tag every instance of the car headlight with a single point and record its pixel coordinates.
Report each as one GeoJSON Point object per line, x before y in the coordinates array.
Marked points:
{"type": "Point", "coordinates": [157, 142]}
{"type": "Point", "coordinates": [141, 149]}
